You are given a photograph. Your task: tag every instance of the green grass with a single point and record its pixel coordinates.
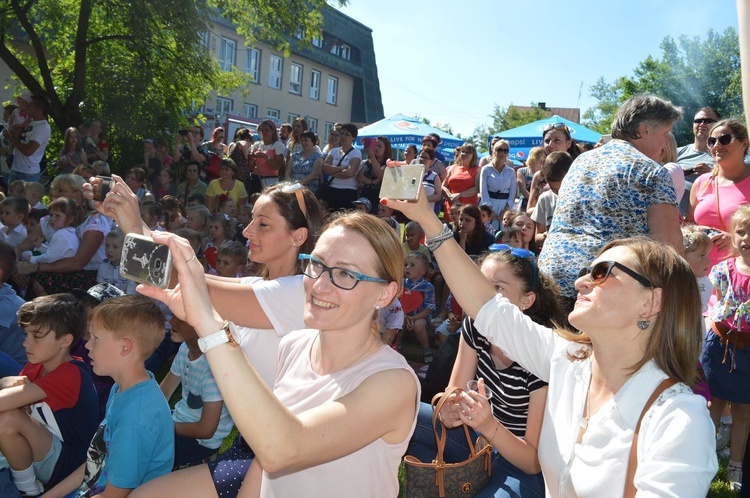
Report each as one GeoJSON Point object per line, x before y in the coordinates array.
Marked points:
{"type": "Point", "coordinates": [720, 487]}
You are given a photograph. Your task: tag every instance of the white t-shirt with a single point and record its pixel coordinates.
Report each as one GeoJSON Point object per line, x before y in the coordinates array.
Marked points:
{"type": "Point", "coordinates": [99, 223]}
{"type": "Point", "coordinates": [676, 445]}
{"type": "Point", "coordinates": [36, 131]}
{"type": "Point", "coordinates": [342, 159]}
{"type": "Point", "coordinates": [63, 244]}
{"type": "Point", "coordinates": [545, 208]}
{"type": "Point", "coordinates": [283, 301]}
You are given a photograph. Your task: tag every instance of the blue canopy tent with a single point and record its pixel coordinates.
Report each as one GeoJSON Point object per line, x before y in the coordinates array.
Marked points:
{"type": "Point", "coordinates": [523, 138]}
{"type": "Point", "coordinates": [402, 130]}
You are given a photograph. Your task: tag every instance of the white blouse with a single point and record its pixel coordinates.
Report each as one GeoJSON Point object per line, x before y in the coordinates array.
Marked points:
{"type": "Point", "coordinates": [676, 446]}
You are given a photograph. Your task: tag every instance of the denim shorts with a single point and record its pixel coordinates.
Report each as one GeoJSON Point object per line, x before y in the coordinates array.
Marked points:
{"type": "Point", "coordinates": [44, 469]}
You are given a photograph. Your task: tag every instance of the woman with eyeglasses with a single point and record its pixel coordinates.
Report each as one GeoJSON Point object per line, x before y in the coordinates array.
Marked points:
{"type": "Point", "coordinates": [333, 424]}
{"type": "Point", "coordinates": [462, 182]}
{"type": "Point", "coordinates": [216, 145]}
{"type": "Point", "coordinates": [497, 181]}
{"type": "Point", "coordinates": [286, 220]}
{"type": "Point", "coordinates": [615, 191]}
{"type": "Point", "coordinates": [715, 196]}
{"type": "Point", "coordinates": [512, 416]}
{"type": "Point", "coordinates": [342, 164]}
{"type": "Point", "coordinates": [638, 313]}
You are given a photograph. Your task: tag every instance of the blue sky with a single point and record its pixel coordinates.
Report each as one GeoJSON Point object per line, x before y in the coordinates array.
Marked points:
{"type": "Point", "coordinates": [453, 61]}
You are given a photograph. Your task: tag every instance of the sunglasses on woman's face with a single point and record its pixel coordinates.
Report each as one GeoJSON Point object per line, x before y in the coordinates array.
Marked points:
{"type": "Point", "coordinates": [601, 271]}
{"type": "Point", "coordinates": [724, 139]}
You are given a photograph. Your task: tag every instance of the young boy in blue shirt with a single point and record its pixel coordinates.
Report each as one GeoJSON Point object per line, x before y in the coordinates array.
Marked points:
{"type": "Point", "coordinates": [201, 420]}
{"type": "Point", "coordinates": [48, 412]}
{"type": "Point", "coordinates": [135, 442]}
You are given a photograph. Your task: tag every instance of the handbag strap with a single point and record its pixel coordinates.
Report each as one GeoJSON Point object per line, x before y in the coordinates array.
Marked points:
{"type": "Point", "coordinates": [633, 458]}
{"type": "Point", "coordinates": [718, 208]}
{"type": "Point", "coordinates": [438, 401]}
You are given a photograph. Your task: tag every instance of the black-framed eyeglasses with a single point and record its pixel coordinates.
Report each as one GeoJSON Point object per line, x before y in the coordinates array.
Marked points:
{"type": "Point", "coordinates": [724, 139]}
{"type": "Point", "coordinates": [340, 277]}
{"type": "Point", "coordinates": [502, 150]}
{"type": "Point", "coordinates": [518, 252]}
{"type": "Point", "coordinates": [601, 271]}
{"type": "Point", "coordinates": [704, 121]}
{"type": "Point", "coordinates": [296, 188]}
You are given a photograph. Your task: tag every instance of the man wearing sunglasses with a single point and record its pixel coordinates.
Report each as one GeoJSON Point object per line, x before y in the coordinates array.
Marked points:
{"type": "Point", "coordinates": [695, 158]}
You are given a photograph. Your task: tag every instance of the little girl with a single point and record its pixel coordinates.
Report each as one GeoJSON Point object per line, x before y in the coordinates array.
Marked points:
{"type": "Point", "coordinates": [164, 184]}
{"type": "Point", "coordinates": [63, 217]}
{"type": "Point", "coordinates": [197, 219]}
{"type": "Point", "coordinates": [726, 351]}
{"type": "Point", "coordinates": [219, 229]}
{"type": "Point", "coordinates": [528, 227]}
{"type": "Point", "coordinates": [228, 207]}
{"type": "Point", "coordinates": [174, 213]}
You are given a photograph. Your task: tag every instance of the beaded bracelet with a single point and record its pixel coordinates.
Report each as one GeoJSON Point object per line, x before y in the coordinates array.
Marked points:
{"type": "Point", "coordinates": [434, 242]}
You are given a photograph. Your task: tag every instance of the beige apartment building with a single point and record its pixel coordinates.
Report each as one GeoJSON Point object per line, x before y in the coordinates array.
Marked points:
{"type": "Point", "coordinates": [335, 80]}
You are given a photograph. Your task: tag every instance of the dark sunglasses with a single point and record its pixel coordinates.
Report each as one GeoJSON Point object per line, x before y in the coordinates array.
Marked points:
{"type": "Point", "coordinates": [502, 150]}
{"type": "Point", "coordinates": [704, 121]}
{"type": "Point", "coordinates": [724, 139]}
{"type": "Point", "coordinates": [601, 271]}
{"type": "Point", "coordinates": [517, 252]}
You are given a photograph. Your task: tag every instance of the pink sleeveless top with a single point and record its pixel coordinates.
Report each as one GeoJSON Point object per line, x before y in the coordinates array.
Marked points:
{"type": "Point", "coordinates": [371, 471]}
{"type": "Point", "coordinates": [730, 198]}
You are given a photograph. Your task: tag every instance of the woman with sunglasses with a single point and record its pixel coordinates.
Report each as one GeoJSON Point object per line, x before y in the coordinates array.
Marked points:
{"type": "Point", "coordinates": [286, 219]}
{"type": "Point", "coordinates": [334, 423]}
{"type": "Point", "coordinates": [462, 182]}
{"type": "Point", "coordinates": [497, 181]}
{"type": "Point", "coordinates": [556, 138]}
{"type": "Point", "coordinates": [638, 313]}
{"type": "Point", "coordinates": [716, 196]}
{"type": "Point", "coordinates": [615, 191]}
{"type": "Point", "coordinates": [512, 418]}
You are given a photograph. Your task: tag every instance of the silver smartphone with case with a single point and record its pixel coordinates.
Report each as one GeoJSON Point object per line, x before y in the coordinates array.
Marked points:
{"type": "Point", "coordinates": [145, 261]}
{"type": "Point", "coordinates": [403, 183]}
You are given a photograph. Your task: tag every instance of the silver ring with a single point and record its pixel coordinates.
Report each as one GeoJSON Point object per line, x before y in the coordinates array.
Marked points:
{"type": "Point", "coordinates": [469, 417]}
{"type": "Point", "coordinates": [192, 258]}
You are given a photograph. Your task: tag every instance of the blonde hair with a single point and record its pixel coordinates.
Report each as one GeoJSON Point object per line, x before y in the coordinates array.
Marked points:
{"type": "Point", "coordinates": [741, 217]}
{"type": "Point", "coordinates": [536, 154]}
{"type": "Point", "coordinates": [669, 152]}
{"type": "Point", "coordinates": [134, 316]}
{"type": "Point", "coordinates": [694, 239]}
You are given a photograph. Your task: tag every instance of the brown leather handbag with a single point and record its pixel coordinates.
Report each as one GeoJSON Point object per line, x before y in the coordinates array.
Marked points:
{"type": "Point", "coordinates": [438, 479]}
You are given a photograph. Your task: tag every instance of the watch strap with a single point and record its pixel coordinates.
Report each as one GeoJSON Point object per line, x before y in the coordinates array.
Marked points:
{"type": "Point", "coordinates": [221, 336]}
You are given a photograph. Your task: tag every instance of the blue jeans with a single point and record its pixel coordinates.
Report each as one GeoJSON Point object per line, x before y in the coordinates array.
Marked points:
{"type": "Point", "coordinates": [506, 480]}
{"type": "Point", "coordinates": [27, 177]}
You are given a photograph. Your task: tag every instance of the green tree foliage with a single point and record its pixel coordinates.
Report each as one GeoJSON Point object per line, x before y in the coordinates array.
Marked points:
{"type": "Point", "coordinates": [691, 72]}
{"type": "Point", "coordinates": [137, 65]}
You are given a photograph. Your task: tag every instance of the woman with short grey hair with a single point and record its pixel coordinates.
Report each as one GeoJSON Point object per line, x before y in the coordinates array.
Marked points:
{"type": "Point", "coordinates": [615, 191]}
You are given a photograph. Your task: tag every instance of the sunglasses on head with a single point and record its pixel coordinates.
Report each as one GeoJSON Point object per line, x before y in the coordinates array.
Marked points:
{"type": "Point", "coordinates": [517, 252]}
{"type": "Point", "coordinates": [724, 139]}
{"type": "Point", "coordinates": [704, 121]}
{"type": "Point", "coordinates": [601, 271]}
{"type": "Point", "coordinates": [556, 126]}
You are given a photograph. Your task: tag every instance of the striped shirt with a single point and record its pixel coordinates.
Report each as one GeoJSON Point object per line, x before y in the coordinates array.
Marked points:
{"type": "Point", "coordinates": [510, 386]}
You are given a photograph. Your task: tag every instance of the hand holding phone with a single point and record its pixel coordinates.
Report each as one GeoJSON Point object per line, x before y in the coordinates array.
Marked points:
{"type": "Point", "coordinates": [403, 183]}
{"type": "Point", "coordinates": [145, 261]}
{"type": "Point", "coordinates": [101, 188]}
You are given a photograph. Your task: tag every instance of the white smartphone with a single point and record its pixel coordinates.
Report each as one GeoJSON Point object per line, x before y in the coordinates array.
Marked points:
{"type": "Point", "coordinates": [403, 183]}
{"type": "Point", "coordinates": [145, 261]}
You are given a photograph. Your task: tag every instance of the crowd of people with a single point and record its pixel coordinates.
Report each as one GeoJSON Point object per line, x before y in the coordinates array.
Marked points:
{"type": "Point", "coordinates": [591, 305]}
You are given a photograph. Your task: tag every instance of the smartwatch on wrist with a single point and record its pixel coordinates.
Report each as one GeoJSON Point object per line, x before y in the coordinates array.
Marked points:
{"type": "Point", "coordinates": [222, 336]}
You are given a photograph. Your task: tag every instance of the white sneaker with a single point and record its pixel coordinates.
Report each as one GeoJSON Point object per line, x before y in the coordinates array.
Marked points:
{"type": "Point", "coordinates": [722, 436]}
{"type": "Point", "coordinates": [734, 477]}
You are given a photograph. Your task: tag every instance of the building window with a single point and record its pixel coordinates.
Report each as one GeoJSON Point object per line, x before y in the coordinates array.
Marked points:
{"type": "Point", "coordinates": [273, 114]}
{"type": "Point", "coordinates": [335, 50]}
{"type": "Point", "coordinates": [253, 64]}
{"type": "Point", "coordinates": [333, 89]}
{"type": "Point", "coordinates": [295, 79]}
{"type": "Point", "coordinates": [223, 106]}
{"type": "Point", "coordinates": [227, 54]}
{"type": "Point", "coordinates": [275, 72]}
{"type": "Point", "coordinates": [291, 117]}
{"type": "Point", "coordinates": [317, 42]}
{"type": "Point", "coordinates": [251, 110]}
{"type": "Point", "coordinates": [315, 85]}
{"type": "Point", "coordinates": [346, 52]}
{"type": "Point", "coordinates": [313, 123]}
{"type": "Point", "coordinates": [204, 36]}
{"type": "Point", "coordinates": [329, 127]}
